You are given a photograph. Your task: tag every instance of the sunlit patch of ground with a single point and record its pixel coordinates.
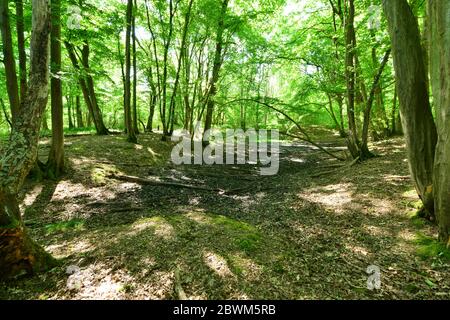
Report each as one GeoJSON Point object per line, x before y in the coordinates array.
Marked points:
{"type": "Point", "coordinates": [298, 235]}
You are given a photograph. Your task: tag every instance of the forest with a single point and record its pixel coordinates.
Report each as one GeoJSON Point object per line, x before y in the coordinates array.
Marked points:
{"type": "Point", "coordinates": [224, 149]}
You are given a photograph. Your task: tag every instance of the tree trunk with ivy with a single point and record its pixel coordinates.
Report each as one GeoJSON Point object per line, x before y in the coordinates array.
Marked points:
{"type": "Point", "coordinates": [18, 252]}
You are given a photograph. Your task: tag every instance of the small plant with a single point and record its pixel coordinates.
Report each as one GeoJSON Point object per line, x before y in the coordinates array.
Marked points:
{"type": "Point", "coordinates": [74, 224]}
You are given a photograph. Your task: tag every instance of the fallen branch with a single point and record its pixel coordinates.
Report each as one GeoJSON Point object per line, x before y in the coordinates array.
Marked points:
{"type": "Point", "coordinates": [347, 166]}
{"type": "Point", "coordinates": [159, 183]}
{"type": "Point", "coordinates": [178, 288]}
{"type": "Point", "coordinates": [305, 137]}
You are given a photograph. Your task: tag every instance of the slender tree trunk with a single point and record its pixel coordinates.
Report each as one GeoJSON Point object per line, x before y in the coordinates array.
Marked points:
{"type": "Point", "coordinates": [131, 136]}
{"type": "Point", "coordinates": [439, 13]}
{"type": "Point", "coordinates": [394, 114]}
{"type": "Point", "coordinates": [152, 99]}
{"type": "Point", "coordinates": [417, 119]}
{"type": "Point", "coordinates": [87, 88]}
{"type": "Point", "coordinates": [9, 60]}
{"type": "Point", "coordinates": [216, 67]}
{"type": "Point", "coordinates": [368, 109]}
{"type": "Point", "coordinates": [20, 29]}
{"type": "Point", "coordinates": [352, 140]}
{"type": "Point", "coordinates": [45, 121]}
{"type": "Point", "coordinates": [18, 252]}
{"type": "Point", "coordinates": [55, 164]}
{"type": "Point", "coordinates": [70, 112]}
{"type": "Point", "coordinates": [79, 114]}
{"type": "Point", "coordinates": [180, 60]}
{"type": "Point", "coordinates": [96, 112]}
{"type": "Point", "coordinates": [135, 113]}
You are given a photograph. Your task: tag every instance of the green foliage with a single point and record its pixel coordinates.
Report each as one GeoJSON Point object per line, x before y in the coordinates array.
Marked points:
{"type": "Point", "coordinates": [64, 226]}
{"type": "Point", "coordinates": [429, 248]}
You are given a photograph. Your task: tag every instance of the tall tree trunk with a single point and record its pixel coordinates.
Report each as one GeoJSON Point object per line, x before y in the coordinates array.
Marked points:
{"type": "Point", "coordinates": [152, 99]}
{"type": "Point", "coordinates": [96, 112]}
{"type": "Point", "coordinates": [131, 136]}
{"type": "Point", "coordinates": [135, 113]}
{"type": "Point", "coordinates": [439, 12]}
{"type": "Point", "coordinates": [79, 114]}
{"type": "Point", "coordinates": [350, 47]}
{"type": "Point", "coordinates": [55, 163]}
{"type": "Point", "coordinates": [70, 112]}
{"type": "Point", "coordinates": [167, 42]}
{"type": "Point", "coordinates": [20, 29]}
{"type": "Point", "coordinates": [18, 252]}
{"type": "Point", "coordinates": [8, 60]}
{"type": "Point", "coordinates": [394, 114]}
{"type": "Point", "coordinates": [417, 119]}
{"type": "Point", "coordinates": [216, 67]}
{"type": "Point", "coordinates": [87, 89]}
{"type": "Point", "coordinates": [368, 109]}
{"type": "Point", "coordinates": [45, 121]}
{"type": "Point", "coordinates": [180, 60]}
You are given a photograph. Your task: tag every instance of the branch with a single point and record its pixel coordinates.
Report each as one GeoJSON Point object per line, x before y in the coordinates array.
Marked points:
{"type": "Point", "coordinates": [306, 137]}
{"type": "Point", "coordinates": [5, 113]}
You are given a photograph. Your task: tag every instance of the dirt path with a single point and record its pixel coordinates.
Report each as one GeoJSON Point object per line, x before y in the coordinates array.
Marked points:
{"type": "Point", "coordinates": [308, 233]}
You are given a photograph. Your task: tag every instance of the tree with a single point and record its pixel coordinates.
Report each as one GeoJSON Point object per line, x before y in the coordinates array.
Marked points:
{"type": "Point", "coordinates": [78, 112]}
{"type": "Point", "coordinates": [18, 252]}
{"type": "Point", "coordinates": [415, 109]}
{"type": "Point", "coordinates": [127, 107]}
{"type": "Point", "coordinates": [180, 61]}
{"type": "Point", "coordinates": [439, 20]}
{"type": "Point", "coordinates": [55, 163]}
{"type": "Point", "coordinates": [87, 85]}
{"type": "Point", "coordinates": [9, 60]}
{"type": "Point", "coordinates": [135, 70]}
{"type": "Point", "coordinates": [20, 29]}
{"type": "Point", "coordinates": [216, 67]}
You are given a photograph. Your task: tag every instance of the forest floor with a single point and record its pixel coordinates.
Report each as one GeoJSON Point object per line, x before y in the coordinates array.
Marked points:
{"type": "Point", "coordinates": [309, 232]}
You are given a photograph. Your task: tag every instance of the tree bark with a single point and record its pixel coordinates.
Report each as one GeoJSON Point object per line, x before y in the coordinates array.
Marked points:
{"type": "Point", "coordinates": [9, 60]}
{"type": "Point", "coordinates": [180, 60]}
{"type": "Point", "coordinates": [20, 29]}
{"type": "Point", "coordinates": [87, 88]}
{"type": "Point", "coordinates": [439, 24]}
{"type": "Point", "coordinates": [415, 109]}
{"type": "Point", "coordinates": [55, 163]}
{"type": "Point", "coordinates": [216, 67]}
{"type": "Point", "coordinates": [18, 252]}
{"type": "Point", "coordinates": [135, 113]}
{"type": "Point", "coordinates": [350, 73]}
{"type": "Point", "coordinates": [131, 136]}
{"type": "Point", "coordinates": [79, 114]}
{"type": "Point", "coordinates": [96, 112]}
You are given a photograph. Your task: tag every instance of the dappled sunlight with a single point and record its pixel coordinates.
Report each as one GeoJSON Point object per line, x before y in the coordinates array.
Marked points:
{"type": "Point", "coordinates": [296, 160]}
{"type": "Point", "coordinates": [32, 195]}
{"type": "Point", "coordinates": [334, 196]}
{"type": "Point", "coordinates": [376, 231]}
{"type": "Point", "coordinates": [407, 235]}
{"type": "Point", "coordinates": [67, 190]}
{"type": "Point", "coordinates": [306, 232]}
{"type": "Point", "coordinates": [358, 250]}
{"type": "Point", "coordinates": [396, 179]}
{"type": "Point", "coordinates": [380, 207]}
{"type": "Point", "coordinates": [159, 226]}
{"type": "Point", "coordinates": [98, 282]}
{"type": "Point", "coordinates": [68, 248]}
{"type": "Point", "coordinates": [249, 270]}
{"type": "Point", "coordinates": [218, 264]}
{"type": "Point", "coordinates": [199, 217]}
